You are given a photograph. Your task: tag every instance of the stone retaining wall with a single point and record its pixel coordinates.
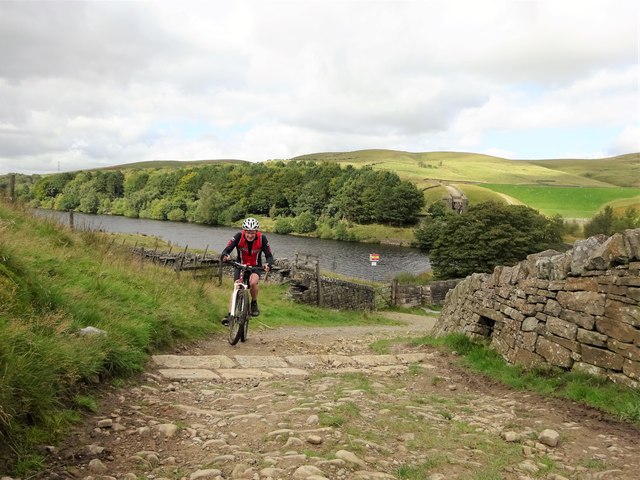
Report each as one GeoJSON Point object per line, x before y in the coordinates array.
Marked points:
{"type": "Point", "coordinates": [408, 296]}
{"type": "Point", "coordinates": [438, 290]}
{"type": "Point", "coordinates": [578, 310]}
{"type": "Point", "coordinates": [335, 293]}
{"type": "Point", "coordinates": [433, 293]}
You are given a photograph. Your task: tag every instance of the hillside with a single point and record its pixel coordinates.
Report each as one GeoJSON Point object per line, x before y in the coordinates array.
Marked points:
{"type": "Point", "coordinates": [586, 186]}
{"type": "Point", "coordinates": [623, 170]}
{"type": "Point", "coordinates": [431, 167]}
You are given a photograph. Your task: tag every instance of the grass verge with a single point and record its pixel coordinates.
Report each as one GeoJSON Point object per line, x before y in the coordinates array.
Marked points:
{"type": "Point", "coordinates": [618, 401]}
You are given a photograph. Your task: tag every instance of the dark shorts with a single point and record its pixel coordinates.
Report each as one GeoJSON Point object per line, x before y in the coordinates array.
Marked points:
{"type": "Point", "coordinates": [236, 274]}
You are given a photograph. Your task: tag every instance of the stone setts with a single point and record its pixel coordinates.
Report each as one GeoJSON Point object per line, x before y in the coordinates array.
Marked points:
{"type": "Point", "coordinates": [579, 310]}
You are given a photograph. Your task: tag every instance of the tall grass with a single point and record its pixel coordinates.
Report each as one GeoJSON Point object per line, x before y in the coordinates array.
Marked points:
{"type": "Point", "coordinates": [54, 282]}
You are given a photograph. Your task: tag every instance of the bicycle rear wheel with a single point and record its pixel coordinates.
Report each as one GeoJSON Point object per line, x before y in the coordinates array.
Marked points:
{"type": "Point", "coordinates": [239, 317]}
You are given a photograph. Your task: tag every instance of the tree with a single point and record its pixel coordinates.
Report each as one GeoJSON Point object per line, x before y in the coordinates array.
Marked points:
{"type": "Point", "coordinates": [399, 204]}
{"type": "Point", "coordinates": [51, 185]}
{"type": "Point", "coordinates": [607, 223]}
{"type": "Point", "coordinates": [430, 229]}
{"type": "Point", "coordinates": [312, 197]}
{"type": "Point", "coordinates": [305, 223]}
{"type": "Point", "coordinates": [134, 182]}
{"type": "Point", "coordinates": [487, 235]}
{"type": "Point", "coordinates": [283, 225]}
{"type": "Point", "coordinates": [211, 204]}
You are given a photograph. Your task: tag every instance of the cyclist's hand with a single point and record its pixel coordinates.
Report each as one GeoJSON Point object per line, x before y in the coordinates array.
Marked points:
{"type": "Point", "coordinates": [225, 258]}
{"type": "Point", "coordinates": [267, 268]}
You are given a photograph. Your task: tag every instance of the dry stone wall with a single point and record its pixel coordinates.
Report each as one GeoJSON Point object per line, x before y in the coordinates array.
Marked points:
{"type": "Point", "coordinates": [418, 295]}
{"type": "Point", "coordinates": [334, 293]}
{"type": "Point", "coordinates": [579, 310]}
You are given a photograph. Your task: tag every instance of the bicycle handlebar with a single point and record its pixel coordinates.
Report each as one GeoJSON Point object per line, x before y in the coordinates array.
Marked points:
{"type": "Point", "coordinates": [243, 266]}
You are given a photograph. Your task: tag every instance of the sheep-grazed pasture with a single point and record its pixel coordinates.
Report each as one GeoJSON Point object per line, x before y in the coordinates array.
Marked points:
{"type": "Point", "coordinates": [570, 202]}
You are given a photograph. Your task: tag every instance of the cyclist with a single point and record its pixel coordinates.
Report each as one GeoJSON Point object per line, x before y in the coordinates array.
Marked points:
{"type": "Point", "coordinates": [251, 244]}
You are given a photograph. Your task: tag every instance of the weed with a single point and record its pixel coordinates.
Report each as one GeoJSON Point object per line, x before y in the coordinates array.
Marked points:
{"type": "Point", "coordinates": [357, 381]}
{"type": "Point", "coordinates": [381, 346]}
{"type": "Point", "coordinates": [29, 463]}
{"type": "Point", "coordinates": [335, 421]}
{"type": "Point", "coordinates": [86, 403]}
{"type": "Point", "coordinates": [421, 470]}
{"type": "Point", "coordinates": [446, 414]}
{"type": "Point", "coordinates": [595, 464]}
{"type": "Point", "coordinates": [631, 412]}
{"type": "Point", "coordinates": [311, 453]}
{"type": "Point", "coordinates": [548, 463]}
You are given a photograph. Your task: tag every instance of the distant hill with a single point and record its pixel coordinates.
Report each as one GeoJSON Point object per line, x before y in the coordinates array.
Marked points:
{"type": "Point", "coordinates": [168, 164]}
{"type": "Point", "coordinates": [428, 169]}
{"type": "Point", "coordinates": [432, 167]}
{"type": "Point", "coordinates": [588, 185]}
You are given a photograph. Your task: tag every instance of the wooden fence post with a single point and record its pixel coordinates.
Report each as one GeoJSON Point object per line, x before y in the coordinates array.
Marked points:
{"type": "Point", "coordinates": [319, 283]}
{"type": "Point", "coordinates": [394, 292]}
{"type": "Point", "coordinates": [166, 258]}
{"type": "Point", "coordinates": [12, 187]}
{"type": "Point", "coordinates": [179, 266]}
{"type": "Point", "coordinates": [71, 219]}
{"type": "Point", "coordinates": [204, 257]}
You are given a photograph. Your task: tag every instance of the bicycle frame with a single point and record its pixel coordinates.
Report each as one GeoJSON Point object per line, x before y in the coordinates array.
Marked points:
{"type": "Point", "coordinates": [239, 321]}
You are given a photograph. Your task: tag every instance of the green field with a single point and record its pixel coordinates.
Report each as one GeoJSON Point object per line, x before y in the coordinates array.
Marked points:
{"type": "Point", "coordinates": [570, 202]}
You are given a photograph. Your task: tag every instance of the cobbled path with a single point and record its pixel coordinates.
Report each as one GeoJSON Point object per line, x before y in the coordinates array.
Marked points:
{"type": "Point", "coordinates": [318, 404]}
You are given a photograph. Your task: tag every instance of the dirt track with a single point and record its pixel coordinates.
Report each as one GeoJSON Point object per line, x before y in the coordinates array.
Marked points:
{"type": "Point", "coordinates": [304, 403]}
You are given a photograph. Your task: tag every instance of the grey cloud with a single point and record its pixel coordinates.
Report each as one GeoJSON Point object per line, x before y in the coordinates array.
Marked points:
{"type": "Point", "coordinates": [97, 41]}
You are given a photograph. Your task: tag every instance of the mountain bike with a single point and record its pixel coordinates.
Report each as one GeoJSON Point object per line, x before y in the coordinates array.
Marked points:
{"type": "Point", "coordinates": [241, 303]}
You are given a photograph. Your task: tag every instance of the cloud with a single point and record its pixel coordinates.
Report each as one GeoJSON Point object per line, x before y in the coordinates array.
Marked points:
{"type": "Point", "coordinates": [88, 84]}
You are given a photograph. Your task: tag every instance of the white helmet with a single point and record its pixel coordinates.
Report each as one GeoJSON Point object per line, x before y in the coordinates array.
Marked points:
{"type": "Point", "coordinates": [250, 224]}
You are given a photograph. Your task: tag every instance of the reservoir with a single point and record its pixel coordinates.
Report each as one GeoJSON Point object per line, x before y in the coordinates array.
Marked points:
{"type": "Point", "coordinates": [346, 258]}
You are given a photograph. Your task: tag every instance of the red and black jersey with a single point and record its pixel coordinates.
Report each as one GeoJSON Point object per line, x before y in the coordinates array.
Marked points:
{"type": "Point", "coordinates": [250, 253]}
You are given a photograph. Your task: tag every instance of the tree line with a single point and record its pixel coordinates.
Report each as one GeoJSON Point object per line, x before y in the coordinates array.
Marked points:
{"type": "Point", "coordinates": [297, 194]}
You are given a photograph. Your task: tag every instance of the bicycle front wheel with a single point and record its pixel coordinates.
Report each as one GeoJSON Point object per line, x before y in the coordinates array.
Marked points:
{"type": "Point", "coordinates": [238, 319]}
{"type": "Point", "coordinates": [245, 323]}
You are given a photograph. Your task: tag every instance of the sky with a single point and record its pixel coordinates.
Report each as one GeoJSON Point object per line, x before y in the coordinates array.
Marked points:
{"type": "Point", "coordinates": [100, 83]}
